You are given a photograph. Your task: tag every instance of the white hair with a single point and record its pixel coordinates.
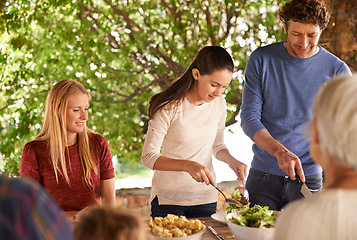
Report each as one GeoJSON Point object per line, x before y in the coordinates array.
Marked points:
{"type": "Point", "coordinates": [335, 111]}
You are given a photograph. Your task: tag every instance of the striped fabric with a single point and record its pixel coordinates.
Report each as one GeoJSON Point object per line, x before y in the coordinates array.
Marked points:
{"type": "Point", "coordinates": [27, 211]}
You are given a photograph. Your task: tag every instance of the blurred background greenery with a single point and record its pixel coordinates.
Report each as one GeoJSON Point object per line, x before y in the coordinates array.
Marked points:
{"type": "Point", "coordinates": [123, 52]}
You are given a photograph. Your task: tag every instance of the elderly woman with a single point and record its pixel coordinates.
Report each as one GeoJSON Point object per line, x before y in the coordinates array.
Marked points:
{"type": "Point", "coordinates": [330, 214]}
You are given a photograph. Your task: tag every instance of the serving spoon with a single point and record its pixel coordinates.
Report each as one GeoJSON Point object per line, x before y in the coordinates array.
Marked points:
{"type": "Point", "coordinates": [228, 200]}
{"type": "Point", "coordinates": [244, 199]}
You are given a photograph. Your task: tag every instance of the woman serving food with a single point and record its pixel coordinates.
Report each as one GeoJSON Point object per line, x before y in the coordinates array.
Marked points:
{"type": "Point", "coordinates": [186, 128]}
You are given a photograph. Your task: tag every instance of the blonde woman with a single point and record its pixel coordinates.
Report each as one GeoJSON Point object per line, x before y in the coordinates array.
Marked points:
{"type": "Point", "coordinates": [72, 162]}
{"type": "Point", "coordinates": [331, 214]}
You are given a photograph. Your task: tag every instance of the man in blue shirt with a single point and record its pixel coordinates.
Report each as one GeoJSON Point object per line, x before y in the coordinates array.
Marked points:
{"type": "Point", "coordinates": [281, 82]}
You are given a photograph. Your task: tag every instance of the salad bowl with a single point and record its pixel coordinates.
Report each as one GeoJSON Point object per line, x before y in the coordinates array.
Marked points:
{"type": "Point", "coordinates": [252, 223]}
{"type": "Point", "coordinates": [249, 233]}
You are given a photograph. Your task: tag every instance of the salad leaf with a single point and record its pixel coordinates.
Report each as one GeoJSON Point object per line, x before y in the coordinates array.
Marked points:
{"type": "Point", "coordinates": [240, 220]}
{"type": "Point", "coordinates": [256, 216]}
{"type": "Point", "coordinates": [236, 208]}
{"type": "Point", "coordinates": [236, 194]}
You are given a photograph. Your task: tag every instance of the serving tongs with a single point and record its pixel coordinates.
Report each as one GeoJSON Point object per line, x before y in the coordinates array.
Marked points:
{"type": "Point", "coordinates": [245, 197]}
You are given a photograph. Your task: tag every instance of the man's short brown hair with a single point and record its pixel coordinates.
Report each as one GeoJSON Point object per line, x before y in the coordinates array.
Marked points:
{"type": "Point", "coordinates": [305, 11]}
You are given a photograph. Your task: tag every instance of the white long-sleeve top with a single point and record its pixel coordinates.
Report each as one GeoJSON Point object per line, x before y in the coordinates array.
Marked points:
{"type": "Point", "coordinates": [185, 132]}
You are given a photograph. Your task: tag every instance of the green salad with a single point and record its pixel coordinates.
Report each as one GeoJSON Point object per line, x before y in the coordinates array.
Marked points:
{"type": "Point", "coordinates": [256, 216]}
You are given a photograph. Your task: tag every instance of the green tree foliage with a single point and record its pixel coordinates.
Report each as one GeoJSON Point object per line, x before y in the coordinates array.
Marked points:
{"type": "Point", "coordinates": [123, 52]}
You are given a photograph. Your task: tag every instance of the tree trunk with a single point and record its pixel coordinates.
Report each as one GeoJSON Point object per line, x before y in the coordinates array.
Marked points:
{"type": "Point", "coordinates": [340, 36]}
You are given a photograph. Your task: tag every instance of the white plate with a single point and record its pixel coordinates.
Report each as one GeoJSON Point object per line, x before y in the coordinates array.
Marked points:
{"type": "Point", "coordinates": [220, 217]}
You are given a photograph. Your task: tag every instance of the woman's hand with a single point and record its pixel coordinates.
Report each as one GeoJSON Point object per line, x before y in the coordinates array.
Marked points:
{"type": "Point", "coordinates": [70, 215]}
{"type": "Point", "coordinates": [75, 216]}
{"type": "Point", "coordinates": [81, 213]}
{"type": "Point", "coordinates": [240, 169]}
{"type": "Point", "coordinates": [197, 171]}
{"type": "Point", "coordinates": [200, 173]}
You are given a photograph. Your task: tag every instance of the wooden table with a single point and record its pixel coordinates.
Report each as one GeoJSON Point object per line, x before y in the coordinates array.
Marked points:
{"type": "Point", "coordinates": [221, 228]}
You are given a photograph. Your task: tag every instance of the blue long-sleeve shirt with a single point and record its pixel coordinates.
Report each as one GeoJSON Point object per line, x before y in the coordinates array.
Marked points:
{"type": "Point", "coordinates": [278, 96]}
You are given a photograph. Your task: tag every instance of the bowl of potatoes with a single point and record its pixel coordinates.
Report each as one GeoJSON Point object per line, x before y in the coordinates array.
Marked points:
{"type": "Point", "coordinates": [176, 227]}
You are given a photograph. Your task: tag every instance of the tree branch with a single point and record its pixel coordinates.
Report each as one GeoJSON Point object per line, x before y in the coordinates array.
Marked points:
{"type": "Point", "coordinates": [212, 35]}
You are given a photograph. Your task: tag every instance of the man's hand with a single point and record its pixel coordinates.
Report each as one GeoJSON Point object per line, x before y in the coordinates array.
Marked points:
{"type": "Point", "coordinates": [289, 163]}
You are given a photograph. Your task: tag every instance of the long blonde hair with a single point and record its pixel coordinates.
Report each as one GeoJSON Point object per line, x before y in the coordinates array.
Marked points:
{"type": "Point", "coordinates": [54, 130]}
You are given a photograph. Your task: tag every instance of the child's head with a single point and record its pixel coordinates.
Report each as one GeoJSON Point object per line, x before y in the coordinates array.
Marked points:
{"type": "Point", "coordinates": [102, 223]}
{"type": "Point", "coordinates": [207, 60]}
{"type": "Point", "coordinates": [212, 58]}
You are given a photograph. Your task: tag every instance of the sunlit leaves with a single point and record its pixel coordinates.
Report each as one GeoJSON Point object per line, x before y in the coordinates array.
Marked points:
{"type": "Point", "coordinates": [123, 52]}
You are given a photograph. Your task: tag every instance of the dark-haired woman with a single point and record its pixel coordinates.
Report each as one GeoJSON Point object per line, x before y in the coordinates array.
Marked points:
{"type": "Point", "coordinates": [186, 128]}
